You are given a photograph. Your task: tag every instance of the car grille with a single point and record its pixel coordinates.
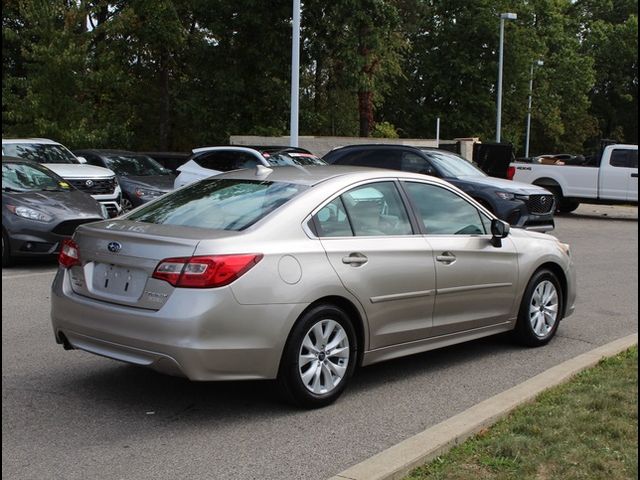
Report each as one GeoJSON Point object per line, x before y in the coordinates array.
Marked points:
{"type": "Point", "coordinates": [92, 186]}
{"type": "Point", "coordinates": [67, 227]}
{"type": "Point", "coordinates": [541, 204]}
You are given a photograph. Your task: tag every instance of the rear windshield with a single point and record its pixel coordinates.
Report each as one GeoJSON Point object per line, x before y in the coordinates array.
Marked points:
{"type": "Point", "coordinates": [39, 152]}
{"type": "Point", "coordinates": [220, 204]}
{"type": "Point", "coordinates": [283, 159]}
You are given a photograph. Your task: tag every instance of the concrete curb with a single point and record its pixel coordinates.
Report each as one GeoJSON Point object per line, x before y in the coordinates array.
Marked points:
{"type": "Point", "coordinates": [397, 461]}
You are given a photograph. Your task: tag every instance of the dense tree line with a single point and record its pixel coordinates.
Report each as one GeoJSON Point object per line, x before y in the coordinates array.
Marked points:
{"type": "Point", "coordinates": [174, 74]}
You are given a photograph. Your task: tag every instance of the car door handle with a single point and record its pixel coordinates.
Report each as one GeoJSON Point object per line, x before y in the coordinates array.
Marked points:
{"type": "Point", "coordinates": [355, 259]}
{"type": "Point", "coordinates": [447, 258]}
{"type": "Point", "coordinates": [634, 175]}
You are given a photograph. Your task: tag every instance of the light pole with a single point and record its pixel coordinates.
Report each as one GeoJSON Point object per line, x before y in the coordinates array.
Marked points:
{"type": "Point", "coordinates": [295, 73]}
{"type": "Point", "coordinates": [503, 17]}
{"type": "Point", "coordinates": [526, 143]}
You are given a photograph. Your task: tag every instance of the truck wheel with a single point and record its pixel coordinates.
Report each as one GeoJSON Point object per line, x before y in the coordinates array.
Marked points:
{"type": "Point", "coordinates": [567, 206]}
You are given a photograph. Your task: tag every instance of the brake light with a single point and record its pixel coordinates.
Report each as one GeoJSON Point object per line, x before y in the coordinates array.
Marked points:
{"type": "Point", "coordinates": [208, 271]}
{"type": "Point", "coordinates": [511, 171]}
{"type": "Point", "coordinates": [69, 255]}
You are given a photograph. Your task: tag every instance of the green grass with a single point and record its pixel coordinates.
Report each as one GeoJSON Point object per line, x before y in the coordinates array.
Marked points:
{"type": "Point", "coordinates": [584, 429]}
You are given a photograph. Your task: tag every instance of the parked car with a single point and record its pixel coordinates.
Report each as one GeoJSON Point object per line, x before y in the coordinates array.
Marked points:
{"type": "Point", "coordinates": [609, 178]}
{"type": "Point", "coordinates": [98, 182]}
{"type": "Point", "coordinates": [208, 161]}
{"type": "Point", "coordinates": [141, 178]}
{"type": "Point", "coordinates": [520, 204]}
{"type": "Point", "coordinates": [302, 274]}
{"type": "Point", "coordinates": [169, 160]}
{"type": "Point", "coordinates": [40, 209]}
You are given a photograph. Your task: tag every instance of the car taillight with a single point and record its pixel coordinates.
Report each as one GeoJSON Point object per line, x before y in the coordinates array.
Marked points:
{"type": "Point", "coordinates": [69, 255]}
{"type": "Point", "coordinates": [208, 271]}
{"type": "Point", "coordinates": [511, 171]}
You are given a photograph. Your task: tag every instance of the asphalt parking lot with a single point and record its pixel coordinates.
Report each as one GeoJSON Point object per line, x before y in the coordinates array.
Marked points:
{"type": "Point", "coordinates": [73, 415]}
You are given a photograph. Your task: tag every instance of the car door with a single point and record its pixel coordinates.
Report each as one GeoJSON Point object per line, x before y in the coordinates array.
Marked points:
{"type": "Point", "coordinates": [616, 180]}
{"type": "Point", "coordinates": [476, 281]}
{"type": "Point", "coordinates": [372, 246]}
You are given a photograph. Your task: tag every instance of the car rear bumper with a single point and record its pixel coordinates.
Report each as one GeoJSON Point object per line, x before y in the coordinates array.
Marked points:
{"type": "Point", "coordinates": [200, 334]}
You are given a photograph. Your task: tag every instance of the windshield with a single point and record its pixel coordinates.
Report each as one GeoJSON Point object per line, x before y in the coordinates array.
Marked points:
{"type": "Point", "coordinates": [220, 204]}
{"type": "Point", "coordinates": [451, 165]}
{"type": "Point", "coordinates": [21, 177]}
{"type": "Point", "coordinates": [283, 159]}
{"type": "Point", "coordinates": [136, 165]}
{"type": "Point", "coordinates": [38, 152]}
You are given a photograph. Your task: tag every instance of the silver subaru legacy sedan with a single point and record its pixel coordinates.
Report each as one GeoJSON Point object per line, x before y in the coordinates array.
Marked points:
{"type": "Point", "coordinates": [301, 275]}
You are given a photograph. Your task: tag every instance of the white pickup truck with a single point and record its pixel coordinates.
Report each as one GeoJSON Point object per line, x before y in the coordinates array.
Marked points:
{"type": "Point", "coordinates": [613, 178]}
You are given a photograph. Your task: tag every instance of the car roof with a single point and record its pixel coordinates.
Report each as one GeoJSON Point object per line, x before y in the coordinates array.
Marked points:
{"type": "Point", "coordinates": [261, 149]}
{"type": "Point", "coordinates": [46, 141]}
{"type": "Point", "coordinates": [108, 151]}
{"type": "Point", "coordinates": [315, 174]}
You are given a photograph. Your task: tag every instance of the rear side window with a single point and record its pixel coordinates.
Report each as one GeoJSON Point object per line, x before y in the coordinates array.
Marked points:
{"type": "Point", "coordinates": [220, 204]}
{"type": "Point", "coordinates": [624, 158]}
{"type": "Point", "coordinates": [442, 212]}
{"type": "Point", "coordinates": [377, 158]}
{"type": "Point", "coordinates": [374, 209]}
{"type": "Point", "coordinates": [226, 161]}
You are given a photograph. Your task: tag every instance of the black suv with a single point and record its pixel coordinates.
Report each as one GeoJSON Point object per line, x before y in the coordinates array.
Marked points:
{"type": "Point", "coordinates": [520, 204]}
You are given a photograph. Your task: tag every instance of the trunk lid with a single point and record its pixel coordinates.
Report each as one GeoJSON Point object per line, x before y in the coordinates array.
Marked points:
{"type": "Point", "coordinates": [119, 257]}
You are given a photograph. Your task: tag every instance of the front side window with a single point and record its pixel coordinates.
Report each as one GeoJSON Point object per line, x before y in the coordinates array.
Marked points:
{"type": "Point", "coordinates": [220, 204]}
{"type": "Point", "coordinates": [442, 212]}
{"type": "Point", "coordinates": [38, 152]}
{"type": "Point", "coordinates": [452, 165]}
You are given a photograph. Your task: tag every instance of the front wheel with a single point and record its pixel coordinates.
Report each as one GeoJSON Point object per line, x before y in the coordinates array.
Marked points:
{"type": "Point", "coordinates": [319, 357]}
{"type": "Point", "coordinates": [540, 310]}
{"type": "Point", "coordinates": [7, 261]}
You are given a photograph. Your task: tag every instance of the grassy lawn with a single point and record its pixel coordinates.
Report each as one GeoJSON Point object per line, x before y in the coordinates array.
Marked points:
{"type": "Point", "coordinates": [585, 429]}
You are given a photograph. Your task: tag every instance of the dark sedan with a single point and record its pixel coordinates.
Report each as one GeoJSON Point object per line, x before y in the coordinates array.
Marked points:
{"type": "Point", "coordinates": [520, 204]}
{"type": "Point", "coordinates": [40, 209]}
{"type": "Point", "coordinates": [141, 178]}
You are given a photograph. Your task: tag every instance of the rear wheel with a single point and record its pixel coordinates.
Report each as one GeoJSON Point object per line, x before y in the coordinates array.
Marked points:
{"type": "Point", "coordinates": [540, 310]}
{"type": "Point", "coordinates": [319, 357]}
{"type": "Point", "coordinates": [563, 205]}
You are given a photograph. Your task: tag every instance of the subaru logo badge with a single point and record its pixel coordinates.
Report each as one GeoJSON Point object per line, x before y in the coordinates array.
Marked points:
{"type": "Point", "coordinates": [89, 183]}
{"type": "Point", "coordinates": [114, 247]}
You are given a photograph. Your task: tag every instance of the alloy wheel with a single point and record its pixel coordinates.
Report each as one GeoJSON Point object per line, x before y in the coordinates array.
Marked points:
{"type": "Point", "coordinates": [323, 357]}
{"type": "Point", "coordinates": [543, 308]}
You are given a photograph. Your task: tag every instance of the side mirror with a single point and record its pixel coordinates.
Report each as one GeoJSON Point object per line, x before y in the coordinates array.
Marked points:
{"type": "Point", "coordinates": [499, 230]}
{"type": "Point", "coordinates": [82, 159]}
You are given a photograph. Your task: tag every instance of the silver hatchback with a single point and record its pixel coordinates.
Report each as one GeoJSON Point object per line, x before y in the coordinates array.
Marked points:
{"type": "Point", "coordinates": [303, 274]}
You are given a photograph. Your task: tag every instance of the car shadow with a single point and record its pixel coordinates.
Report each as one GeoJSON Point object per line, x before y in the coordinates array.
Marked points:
{"type": "Point", "coordinates": [127, 388]}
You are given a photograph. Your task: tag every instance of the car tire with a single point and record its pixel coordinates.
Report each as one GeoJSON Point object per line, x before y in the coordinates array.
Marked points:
{"type": "Point", "coordinates": [567, 206]}
{"type": "Point", "coordinates": [540, 310]}
{"type": "Point", "coordinates": [7, 260]}
{"type": "Point", "coordinates": [312, 375]}
{"type": "Point", "coordinates": [126, 204]}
